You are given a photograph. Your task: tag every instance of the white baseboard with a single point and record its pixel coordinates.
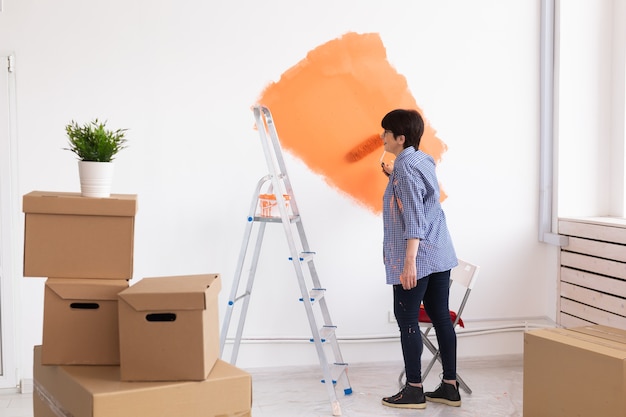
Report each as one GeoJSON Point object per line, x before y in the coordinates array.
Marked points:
{"type": "Point", "coordinates": [479, 339]}
{"type": "Point", "coordinates": [26, 386]}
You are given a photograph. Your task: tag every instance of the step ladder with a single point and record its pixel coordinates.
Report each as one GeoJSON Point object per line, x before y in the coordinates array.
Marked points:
{"type": "Point", "coordinates": [284, 210]}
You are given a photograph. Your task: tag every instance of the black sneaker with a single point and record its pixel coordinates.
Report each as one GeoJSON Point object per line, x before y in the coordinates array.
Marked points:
{"type": "Point", "coordinates": [409, 397]}
{"type": "Point", "coordinates": [446, 394]}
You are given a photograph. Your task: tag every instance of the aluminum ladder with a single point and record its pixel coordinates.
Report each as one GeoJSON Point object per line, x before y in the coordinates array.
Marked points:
{"type": "Point", "coordinates": [285, 212]}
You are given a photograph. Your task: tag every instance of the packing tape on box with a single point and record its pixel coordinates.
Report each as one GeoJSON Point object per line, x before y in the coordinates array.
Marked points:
{"type": "Point", "coordinates": [581, 336]}
{"type": "Point", "coordinates": [241, 414]}
{"type": "Point", "coordinates": [49, 401]}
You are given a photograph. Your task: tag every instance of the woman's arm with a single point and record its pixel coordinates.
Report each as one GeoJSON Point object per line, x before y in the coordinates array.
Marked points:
{"type": "Point", "coordinates": [408, 278]}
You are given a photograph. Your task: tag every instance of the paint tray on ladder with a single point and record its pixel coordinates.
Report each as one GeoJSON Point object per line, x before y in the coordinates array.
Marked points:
{"type": "Point", "coordinates": [268, 205]}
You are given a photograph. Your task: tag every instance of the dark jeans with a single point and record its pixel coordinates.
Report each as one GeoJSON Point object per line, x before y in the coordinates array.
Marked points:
{"type": "Point", "coordinates": [433, 291]}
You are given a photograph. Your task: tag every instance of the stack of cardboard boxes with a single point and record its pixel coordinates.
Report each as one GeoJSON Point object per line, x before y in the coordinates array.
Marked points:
{"type": "Point", "coordinates": [114, 350]}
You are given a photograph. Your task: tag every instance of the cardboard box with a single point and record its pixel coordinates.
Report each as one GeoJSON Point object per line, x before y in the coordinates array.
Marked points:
{"type": "Point", "coordinates": [575, 372]}
{"type": "Point", "coordinates": [80, 323]}
{"type": "Point", "coordinates": [69, 236]}
{"type": "Point", "coordinates": [96, 391]}
{"type": "Point", "coordinates": [169, 328]}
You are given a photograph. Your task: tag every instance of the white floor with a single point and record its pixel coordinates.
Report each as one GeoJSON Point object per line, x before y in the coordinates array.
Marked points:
{"type": "Point", "coordinates": [297, 391]}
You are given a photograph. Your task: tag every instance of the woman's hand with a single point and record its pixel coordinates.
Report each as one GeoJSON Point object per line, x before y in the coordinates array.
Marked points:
{"type": "Point", "coordinates": [387, 169]}
{"type": "Point", "coordinates": [408, 278]}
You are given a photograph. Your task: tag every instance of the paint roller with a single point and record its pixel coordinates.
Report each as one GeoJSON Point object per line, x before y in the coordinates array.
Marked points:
{"type": "Point", "coordinates": [364, 148]}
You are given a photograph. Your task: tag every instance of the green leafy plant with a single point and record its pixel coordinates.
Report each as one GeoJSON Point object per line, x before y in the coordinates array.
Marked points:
{"type": "Point", "coordinates": [94, 142]}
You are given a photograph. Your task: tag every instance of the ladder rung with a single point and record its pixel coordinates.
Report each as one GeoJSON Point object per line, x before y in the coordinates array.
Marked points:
{"type": "Point", "coordinates": [315, 294]}
{"type": "Point", "coordinates": [338, 370]}
{"type": "Point", "coordinates": [326, 332]}
{"type": "Point", "coordinates": [245, 294]}
{"type": "Point", "coordinates": [292, 219]}
{"type": "Point", "coordinates": [304, 256]}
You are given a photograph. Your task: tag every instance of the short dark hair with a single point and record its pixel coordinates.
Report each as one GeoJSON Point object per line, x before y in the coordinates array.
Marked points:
{"type": "Point", "coordinates": [405, 122]}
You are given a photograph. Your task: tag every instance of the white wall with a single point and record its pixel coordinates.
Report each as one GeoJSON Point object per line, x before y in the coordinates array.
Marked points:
{"type": "Point", "coordinates": [618, 111]}
{"type": "Point", "coordinates": [590, 97]}
{"type": "Point", "coordinates": [182, 76]}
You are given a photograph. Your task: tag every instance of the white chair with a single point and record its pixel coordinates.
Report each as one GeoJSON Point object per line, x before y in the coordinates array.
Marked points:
{"type": "Point", "coordinates": [464, 275]}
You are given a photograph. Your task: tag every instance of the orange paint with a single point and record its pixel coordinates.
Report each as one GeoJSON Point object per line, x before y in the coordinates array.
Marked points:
{"type": "Point", "coordinates": [333, 100]}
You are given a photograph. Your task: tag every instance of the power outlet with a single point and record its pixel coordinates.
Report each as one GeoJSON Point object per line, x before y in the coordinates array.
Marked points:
{"type": "Point", "coordinates": [391, 318]}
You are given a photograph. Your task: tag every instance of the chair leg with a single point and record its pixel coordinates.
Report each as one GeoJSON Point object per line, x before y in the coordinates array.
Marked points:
{"type": "Point", "coordinates": [463, 385]}
{"type": "Point", "coordinates": [431, 347]}
{"type": "Point", "coordinates": [437, 357]}
{"type": "Point", "coordinates": [429, 344]}
{"type": "Point", "coordinates": [401, 382]}
{"type": "Point", "coordinates": [428, 368]}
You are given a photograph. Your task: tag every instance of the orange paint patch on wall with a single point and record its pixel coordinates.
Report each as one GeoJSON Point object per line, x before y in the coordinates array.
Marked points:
{"type": "Point", "coordinates": [332, 101]}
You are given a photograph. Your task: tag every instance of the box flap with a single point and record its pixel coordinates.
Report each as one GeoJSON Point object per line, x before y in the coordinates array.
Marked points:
{"type": "Point", "coordinates": [86, 289]}
{"type": "Point", "coordinates": [184, 292]}
{"type": "Point", "coordinates": [582, 340]}
{"type": "Point", "coordinates": [48, 202]}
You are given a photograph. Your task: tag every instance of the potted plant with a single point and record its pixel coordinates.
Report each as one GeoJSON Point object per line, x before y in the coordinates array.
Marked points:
{"type": "Point", "coordinates": [96, 147]}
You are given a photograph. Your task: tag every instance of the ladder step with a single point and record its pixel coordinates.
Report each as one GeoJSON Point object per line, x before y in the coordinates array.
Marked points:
{"type": "Point", "coordinates": [315, 294]}
{"type": "Point", "coordinates": [246, 294]}
{"type": "Point", "coordinates": [326, 333]}
{"type": "Point", "coordinates": [292, 219]}
{"type": "Point", "coordinates": [304, 256]}
{"type": "Point", "coordinates": [339, 370]}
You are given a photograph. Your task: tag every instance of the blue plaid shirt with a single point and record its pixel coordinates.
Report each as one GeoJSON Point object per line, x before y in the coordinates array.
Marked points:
{"type": "Point", "coordinates": [411, 210]}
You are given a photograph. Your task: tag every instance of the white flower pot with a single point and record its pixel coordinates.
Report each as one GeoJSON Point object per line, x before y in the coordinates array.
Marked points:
{"type": "Point", "coordinates": [95, 178]}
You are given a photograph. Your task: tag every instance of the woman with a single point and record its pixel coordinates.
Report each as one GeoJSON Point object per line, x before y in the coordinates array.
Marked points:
{"type": "Point", "coordinates": [418, 256]}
